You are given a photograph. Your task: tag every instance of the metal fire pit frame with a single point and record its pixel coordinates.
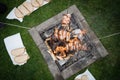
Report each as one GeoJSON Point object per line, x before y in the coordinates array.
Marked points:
{"type": "Point", "coordinates": [76, 67]}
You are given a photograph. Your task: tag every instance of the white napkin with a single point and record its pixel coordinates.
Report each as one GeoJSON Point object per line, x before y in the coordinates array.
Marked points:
{"type": "Point", "coordinates": [13, 42]}
{"type": "Point", "coordinates": [11, 15]}
{"type": "Point", "coordinates": [89, 75]}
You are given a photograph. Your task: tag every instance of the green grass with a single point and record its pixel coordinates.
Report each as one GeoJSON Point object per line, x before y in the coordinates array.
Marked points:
{"type": "Point", "coordinates": [103, 16]}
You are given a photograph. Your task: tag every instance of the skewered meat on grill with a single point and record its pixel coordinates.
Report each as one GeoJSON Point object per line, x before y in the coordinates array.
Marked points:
{"type": "Point", "coordinates": [64, 34]}
{"type": "Point", "coordinates": [73, 44]}
{"type": "Point", "coordinates": [56, 33]}
{"type": "Point", "coordinates": [76, 44]}
{"type": "Point", "coordinates": [70, 44]}
{"type": "Point", "coordinates": [61, 35]}
{"type": "Point", "coordinates": [66, 20]}
{"type": "Point", "coordinates": [67, 36]}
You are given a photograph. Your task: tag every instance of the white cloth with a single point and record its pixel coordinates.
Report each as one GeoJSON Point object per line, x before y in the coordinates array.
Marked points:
{"type": "Point", "coordinates": [89, 75]}
{"type": "Point", "coordinates": [11, 15]}
{"type": "Point", "coordinates": [13, 42]}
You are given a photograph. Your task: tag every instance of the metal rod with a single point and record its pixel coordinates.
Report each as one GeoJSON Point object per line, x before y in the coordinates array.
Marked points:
{"type": "Point", "coordinates": [114, 34]}
{"type": "Point", "coordinates": [68, 5]}
{"type": "Point", "coordinates": [15, 25]}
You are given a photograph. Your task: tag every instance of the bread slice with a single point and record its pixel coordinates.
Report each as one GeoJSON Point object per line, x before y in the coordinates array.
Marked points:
{"type": "Point", "coordinates": [18, 14]}
{"type": "Point", "coordinates": [35, 3]}
{"type": "Point", "coordinates": [23, 10]}
{"type": "Point", "coordinates": [28, 6]}
{"type": "Point", "coordinates": [18, 51]}
{"type": "Point", "coordinates": [40, 2]}
{"type": "Point", "coordinates": [84, 77]}
{"type": "Point", "coordinates": [21, 59]}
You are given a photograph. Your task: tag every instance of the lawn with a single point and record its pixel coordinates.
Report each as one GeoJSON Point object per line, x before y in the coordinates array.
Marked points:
{"type": "Point", "coordinates": [103, 16]}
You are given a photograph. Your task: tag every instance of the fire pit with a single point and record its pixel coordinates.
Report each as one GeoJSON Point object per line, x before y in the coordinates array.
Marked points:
{"type": "Point", "coordinates": [67, 43]}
